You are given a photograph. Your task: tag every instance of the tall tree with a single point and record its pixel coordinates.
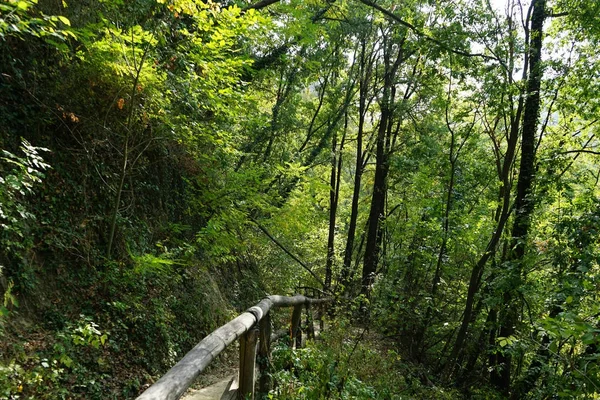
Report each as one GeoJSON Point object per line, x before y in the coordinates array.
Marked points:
{"type": "Point", "coordinates": [394, 51]}
{"type": "Point", "coordinates": [524, 200]}
{"type": "Point", "coordinates": [366, 64]}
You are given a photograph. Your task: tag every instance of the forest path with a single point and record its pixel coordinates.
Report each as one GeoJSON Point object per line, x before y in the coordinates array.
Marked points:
{"type": "Point", "coordinates": [225, 389]}
{"type": "Point", "coordinates": [219, 382]}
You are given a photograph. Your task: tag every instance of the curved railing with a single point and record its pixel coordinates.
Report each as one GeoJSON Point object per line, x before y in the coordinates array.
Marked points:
{"type": "Point", "coordinates": [248, 327]}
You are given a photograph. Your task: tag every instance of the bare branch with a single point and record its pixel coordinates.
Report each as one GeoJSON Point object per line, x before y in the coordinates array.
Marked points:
{"type": "Point", "coordinates": [581, 151]}
{"type": "Point", "coordinates": [260, 4]}
{"type": "Point", "coordinates": [286, 251]}
{"type": "Point", "coordinates": [557, 15]}
{"type": "Point", "coordinates": [425, 36]}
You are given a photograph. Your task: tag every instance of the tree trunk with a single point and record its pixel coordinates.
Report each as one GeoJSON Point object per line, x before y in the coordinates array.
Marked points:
{"type": "Point", "coordinates": [524, 203]}
{"type": "Point", "coordinates": [377, 206]}
{"type": "Point", "coordinates": [384, 138]}
{"type": "Point", "coordinates": [419, 349]}
{"type": "Point", "coordinates": [332, 213]}
{"type": "Point", "coordinates": [334, 191]}
{"type": "Point", "coordinates": [365, 75]}
{"type": "Point", "coordinates": [502, 213]}
{"type": "Point", "coordinates": [474, 282]}
{"type": "Point", "coordinates": [126, 154]}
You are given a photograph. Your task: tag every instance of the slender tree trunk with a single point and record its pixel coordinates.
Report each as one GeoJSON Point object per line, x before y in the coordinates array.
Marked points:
{"type": "Point", "coordinates": [332, 213]}
{"type": "Point", "coordinates": [354, 213]}
{"type": "Point", "coordinates": [334, 191]}
{"type": "Point", "coordinates": [474, 283]}
{"type": "Point", "coordinates": [283, 92]}
{"type": "Point", "coordinates": [125, 159]}
{"type": "Point", "coordinates": [446, 224]}
{"type": "Point", "coordinates": [452, 158]}
{"type": "Point", "coordinates": [524, 203]}
{"type": "Point", "coordinates": [365, 75]}
{"type": "Point", "coordinates": [502, 213]}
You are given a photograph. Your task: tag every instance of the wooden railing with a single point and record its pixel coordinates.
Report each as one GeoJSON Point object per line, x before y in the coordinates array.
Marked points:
{"type": "Point", "coordinates": [251, 327]}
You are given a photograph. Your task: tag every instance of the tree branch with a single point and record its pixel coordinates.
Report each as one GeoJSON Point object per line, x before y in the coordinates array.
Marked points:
{"type": "Point", "coordinates": [286, 251]}
{"type": "Point", "coordinates": [425, 36]}
{"type": "Point", "coordinates": [260, 4]}
{"type": "Point", "coordinates": [557, 15]}
{"type": "Point", "coordinates": [581, 151]}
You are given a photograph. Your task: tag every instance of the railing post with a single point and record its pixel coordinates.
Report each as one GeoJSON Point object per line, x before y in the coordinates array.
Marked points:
{"type": "Point", "coordinates": [295, 328]}
{"type": "Point", "coordinates": [248, 343]}
{"type": "Point", "coordinates": [321, 312]}
{"type": "Point", "coordinates": [310, 326]}
{"type": "Point", "coordinates": [264, 356]}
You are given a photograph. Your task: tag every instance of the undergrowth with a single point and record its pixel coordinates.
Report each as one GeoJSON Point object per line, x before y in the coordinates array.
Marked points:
{"type": "Point", "coordinates": [353, 363]}
{"type": "Point", "coordinates": [115, 348]}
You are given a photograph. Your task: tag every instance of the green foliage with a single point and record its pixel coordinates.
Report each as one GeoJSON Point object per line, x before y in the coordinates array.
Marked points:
{"type": "Point", "coordinates": [349, 363]}
{"type": "Point", "coordinates": [8, 302]}
{"type": "Point", "coordinates": [87, 333]}
{"type": "Point", "coordinates": [183, 130]}
{"type": "Point", "coordinates": [20, 18]}
{"type": "Point", "coordinates": [20, 176]}
{"type": "Point", "coordinates": [313, 373]}
{"type": "Point", "coordinates": [148, 266]}
{"type": "Point", "coordinates": [76, 350]}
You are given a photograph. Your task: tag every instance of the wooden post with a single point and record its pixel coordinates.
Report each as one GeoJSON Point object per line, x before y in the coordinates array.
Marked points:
{"type": "Point", "coordinates": [295, 328]}
{"type": "Point", "coordinates": [310, 326]}
{"type": "Point", "coordinates": [321, 312]}
{"type": "Point", "coordinates": [264, 357]}
{"type": "Point", "coordinates": [247, 361]}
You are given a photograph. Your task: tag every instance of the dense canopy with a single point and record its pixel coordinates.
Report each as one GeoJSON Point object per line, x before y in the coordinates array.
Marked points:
{"type": "Point", "coordinates": [434, 164]}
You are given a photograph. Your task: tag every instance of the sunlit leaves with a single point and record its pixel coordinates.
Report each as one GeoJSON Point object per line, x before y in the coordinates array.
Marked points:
{"type": "Point", "coordinates": [20, 174]}
{"type": "Point", "coordinates": [21, 18]}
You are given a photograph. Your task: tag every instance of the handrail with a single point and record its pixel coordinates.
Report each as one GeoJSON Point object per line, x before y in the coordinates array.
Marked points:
{"type": "Point", "coordinates": [182, 375]}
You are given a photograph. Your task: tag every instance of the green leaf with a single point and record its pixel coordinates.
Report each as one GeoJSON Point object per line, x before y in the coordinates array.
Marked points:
{"type": "Point", "coordinates": [569, 300]}
{"type": "Point", "coordinates": [588, 338]}
{"type": "Point", "coordinates": [22, 5]}
{"type": "Point", "coordinates": [64, 20]}
{"type": "Point", "coordinates": [66, 360]}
